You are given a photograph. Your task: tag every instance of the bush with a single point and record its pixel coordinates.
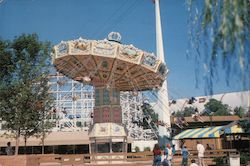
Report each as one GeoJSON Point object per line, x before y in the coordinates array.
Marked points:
{"type": "Point", "coordinates": [244, 158]}
{"type": "Point", "coordinates": [137, 149]}
{"type": "Point", "coordinates": [220, 161]}
{"type": "Point", "coordinates": [147, 149]}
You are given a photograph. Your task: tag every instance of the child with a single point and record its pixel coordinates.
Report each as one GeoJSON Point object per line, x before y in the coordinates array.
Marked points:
{"type": "Point", "coordinates": [193, 163]}
{"type": "Point", "coordinates": [169, 155]}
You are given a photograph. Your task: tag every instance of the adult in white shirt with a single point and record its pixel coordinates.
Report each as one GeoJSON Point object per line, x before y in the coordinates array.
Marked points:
{"type": "Point", "coordinates": [169, 155]}
{"type": "Point", "coordinates": [201, 150]}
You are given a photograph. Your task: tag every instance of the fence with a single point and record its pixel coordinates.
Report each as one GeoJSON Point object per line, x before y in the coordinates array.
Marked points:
{"type": "Point", "coordinates": [109, 159]}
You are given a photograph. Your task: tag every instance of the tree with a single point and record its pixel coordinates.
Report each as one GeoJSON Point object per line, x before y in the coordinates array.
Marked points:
{"type": "Point", "coordinates": [217, 108]}
{"type": "Point", "coordinates": [219, 32]}
{"type": "Point", "coordinates": [188, 111]}
{"type": "Point", "coordinates": [6, 64]}
{"type": "Point", "coordinates": [248, 113]}
{"type": "Point", "coordinates": [24, 92]}
{"type": "Point", "coordinates": [245, 124]}
{"type": "Point", "coordinates": [239, 111]}
{"type": "Point", "coordinates": [150, 118]}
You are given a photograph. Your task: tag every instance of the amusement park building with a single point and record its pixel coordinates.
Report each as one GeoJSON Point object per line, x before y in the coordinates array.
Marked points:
{"type": "Point", "coordinates": [232, 99]}
{"type": "Point", "coordinates": [73, 139]}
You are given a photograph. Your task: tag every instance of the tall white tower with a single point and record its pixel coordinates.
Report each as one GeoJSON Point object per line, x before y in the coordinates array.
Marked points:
{"type": "Point", "coordinates": [162, 104]}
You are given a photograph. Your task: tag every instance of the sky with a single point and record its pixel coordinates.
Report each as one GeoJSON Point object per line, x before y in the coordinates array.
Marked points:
{"type": "Point", "coordinates": [57, 20]}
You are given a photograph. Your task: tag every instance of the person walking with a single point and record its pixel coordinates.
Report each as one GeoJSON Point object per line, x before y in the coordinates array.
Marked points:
{"type": "Point", "coordinates": [9, 150]}
{"type": "Point", "coordinates": [185, 154]}
{"type": "Point", "coordinates": [157, 155]}
{"type": "Point", "coordinates": [169, 155]}
{"type": "Point", "coordinates": [201, 150]}
{"type": "Point", "coordinates": [173, 153]}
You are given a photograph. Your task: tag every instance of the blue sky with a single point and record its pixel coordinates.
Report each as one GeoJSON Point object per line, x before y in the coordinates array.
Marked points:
{"type": "Point", "coordinates": [56, 20]}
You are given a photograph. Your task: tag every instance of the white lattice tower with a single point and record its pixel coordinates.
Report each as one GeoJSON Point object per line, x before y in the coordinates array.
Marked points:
{"type": "Point", "coordinates": [133, 116]}
{"type": "Point", "coordinates": [75, 99]}
{"type": "Point", "coordinates": [73, 102]}
{"type": "Point", "coordinates": [132, 112]}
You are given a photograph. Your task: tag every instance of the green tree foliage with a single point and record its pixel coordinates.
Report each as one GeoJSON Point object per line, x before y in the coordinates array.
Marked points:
{"type": "Point", "coordinates": [245, 124]}
{"type": "Point", "coordinates": [6, 64]}
{"type": "Point", "coordinates": [217, 108]}
{"type": "Point", "coordinates": [147, 149]}
{"type": "Point", "coordinates": [188, 111]}
{"type": "Point", "coordinates": [137, 149]}
{"type": "Point", "coordinates": [239, 111]}
{"type": "Point", "coordinates": [24, 98]}
{"type": "Point", "coordinates": [219, 32]}
{"type": "Point", "coordinates": [149, 113]}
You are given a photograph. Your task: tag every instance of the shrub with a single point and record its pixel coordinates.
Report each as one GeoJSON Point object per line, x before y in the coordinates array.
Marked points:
{"type": "Point", "coordinates": [137, 149]}
{"type": "Point", "coordinates": [147, 149]}
{"type": "Point", "coordinates": [220, 161]}
{"type": "Point", "coordinates": [244, 158]}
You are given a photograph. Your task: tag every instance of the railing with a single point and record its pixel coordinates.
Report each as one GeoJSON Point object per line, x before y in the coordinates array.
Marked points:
{"type": "Point", "coordinates": [212, 153]}
{"type": "Point", "coordinates": [209, 155]}
{"type": "Point", "coordinates": [116, 159]}
{"type": "Point", "coordinates": [129, 157]}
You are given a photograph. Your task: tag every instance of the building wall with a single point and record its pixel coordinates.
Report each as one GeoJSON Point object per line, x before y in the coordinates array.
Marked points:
{"type": "Point", "coordinates": [233, 99]}
{"type": "Point", "coordinates": [215, 143]}
{"type": "Point", "coordinates": [143, 144]}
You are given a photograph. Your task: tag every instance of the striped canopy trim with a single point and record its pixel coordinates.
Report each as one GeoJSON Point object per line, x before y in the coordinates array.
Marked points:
{"type": "Point", "coordinates": [209, 132]}
{"type": "Point", "coordinates": [233, 130]}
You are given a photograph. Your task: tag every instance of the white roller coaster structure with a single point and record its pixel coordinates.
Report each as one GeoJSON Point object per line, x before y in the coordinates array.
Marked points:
{"type": "Point", "coordinates": [74, 104]}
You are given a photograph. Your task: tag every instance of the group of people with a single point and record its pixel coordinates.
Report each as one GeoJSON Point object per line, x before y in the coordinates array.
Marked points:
{"type": "Point", "coordinates": [166, 159]}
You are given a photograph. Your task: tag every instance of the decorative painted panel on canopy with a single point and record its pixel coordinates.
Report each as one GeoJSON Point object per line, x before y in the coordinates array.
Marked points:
{"type": "Point", "coordinates": [104, 62]}
{"type": "Point", "coordinates": [102, 130]}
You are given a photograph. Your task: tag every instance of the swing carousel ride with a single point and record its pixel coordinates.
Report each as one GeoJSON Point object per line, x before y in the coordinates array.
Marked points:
{"type": "Point", "coordinates": [110, 67]}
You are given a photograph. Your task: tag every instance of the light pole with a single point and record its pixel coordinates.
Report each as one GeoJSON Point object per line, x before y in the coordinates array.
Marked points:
{"type": "Point", "coordinates": [163, 111]}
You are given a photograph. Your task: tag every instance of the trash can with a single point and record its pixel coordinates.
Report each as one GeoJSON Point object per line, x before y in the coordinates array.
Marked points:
{"type": "Point", "coordinates": [234, 160]}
